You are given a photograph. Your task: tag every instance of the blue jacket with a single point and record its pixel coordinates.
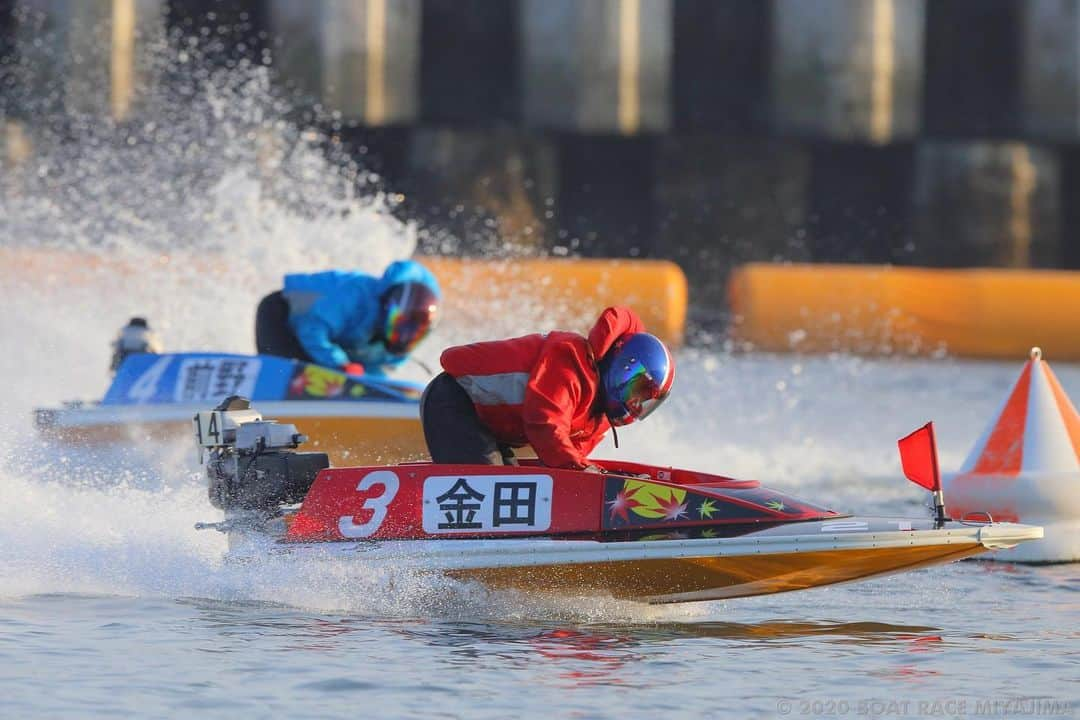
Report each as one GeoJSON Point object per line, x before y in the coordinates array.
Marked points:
{"type": "Point", "coordinates": [335, 314]}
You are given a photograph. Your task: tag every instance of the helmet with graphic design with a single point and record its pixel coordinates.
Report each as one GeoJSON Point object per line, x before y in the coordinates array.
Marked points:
{"type": "Point", "coordinates": [636, 375]}
{"type": "Point", "coordinates": [409, 313]}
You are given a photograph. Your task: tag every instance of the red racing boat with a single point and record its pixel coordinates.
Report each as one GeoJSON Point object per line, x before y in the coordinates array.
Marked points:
{"type": "Point", "coordinates": [640, 532]}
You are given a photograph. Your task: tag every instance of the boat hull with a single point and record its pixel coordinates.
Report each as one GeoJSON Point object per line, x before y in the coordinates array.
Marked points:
{"type": "Point", "coordinates": [350, 433]}
{"type": "Point", "coordinates": [712, 577]}
{"type": "Point", "coordinates": [673, 567]}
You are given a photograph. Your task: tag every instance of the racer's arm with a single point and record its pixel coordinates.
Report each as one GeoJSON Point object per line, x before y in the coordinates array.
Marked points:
{"type": "Point", "coordinates": [552, 394]}
{"type": "Point", "coordinates": [392, 362]}
{"type": "Point", "coordinates": [377, 361]}
{"type": "Point", "coordinates": [314, 335]}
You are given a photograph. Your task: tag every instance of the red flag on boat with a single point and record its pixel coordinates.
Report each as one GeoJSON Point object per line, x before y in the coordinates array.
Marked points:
{"type": "Point", "coordinates": [918, 457]}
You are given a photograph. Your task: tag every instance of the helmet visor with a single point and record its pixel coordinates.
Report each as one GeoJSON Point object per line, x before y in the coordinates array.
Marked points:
{"type": "Point", "coordinates": [637, 377]}
{"type": "Point", "coordinates": [410, 317]}
{"type": "Point", "coordinates": [639, 394]}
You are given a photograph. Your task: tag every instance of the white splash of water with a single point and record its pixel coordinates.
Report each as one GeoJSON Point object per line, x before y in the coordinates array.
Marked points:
{"type": "Point", "coordinates": [142, 209]}
{"type": "Point", "coordinates": [107, 222]}
{"type": "Point", "coordinates": [115, 222]}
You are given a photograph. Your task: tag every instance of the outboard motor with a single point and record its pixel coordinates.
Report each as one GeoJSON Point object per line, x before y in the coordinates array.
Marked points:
{"type": "Point", "coordinates": [253, 464]}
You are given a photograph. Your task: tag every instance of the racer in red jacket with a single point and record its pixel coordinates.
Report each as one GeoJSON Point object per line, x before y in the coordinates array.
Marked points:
{"type": "Point", "coordinates": [558, 392]}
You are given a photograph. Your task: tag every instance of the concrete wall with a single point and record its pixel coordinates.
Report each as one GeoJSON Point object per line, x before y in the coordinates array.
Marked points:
{"type": "Point", "coordinates": [711, 132]}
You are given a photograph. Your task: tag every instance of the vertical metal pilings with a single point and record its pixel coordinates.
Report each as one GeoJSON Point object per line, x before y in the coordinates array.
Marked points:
{"type": "Point", "coordinates": [847, 70]}
{"type": "Point", "coordinates": [596, 66]}
{"type": "Point", "coordinates": [90, 56]}
{"type": "Point", "coordinates": [356, 58]}
{"type": "Point", "coordinates": [987, 203]}
{"type": "Point", "coordinates": [1050, 70]}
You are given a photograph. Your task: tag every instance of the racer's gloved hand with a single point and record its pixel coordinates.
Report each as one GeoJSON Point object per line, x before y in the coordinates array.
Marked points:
{"type": "Point", "coordinates": [593, 469]}
{"type": "Point", "coordinates": [353, 368]}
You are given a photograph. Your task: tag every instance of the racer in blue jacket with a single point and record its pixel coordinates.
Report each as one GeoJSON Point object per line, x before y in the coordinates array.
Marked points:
{"type": "Point", "coordinates": [349, 320]}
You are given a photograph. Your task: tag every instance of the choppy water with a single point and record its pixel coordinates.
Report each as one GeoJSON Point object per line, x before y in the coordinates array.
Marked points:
{"type": "Point", "coordinates": [942, 643]}
{"type": "Point", "coordinates": [112, 604]}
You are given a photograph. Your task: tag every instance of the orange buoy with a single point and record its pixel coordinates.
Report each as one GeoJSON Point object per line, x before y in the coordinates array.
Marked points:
{"type": "Point", "coordinates": [1026, 467]}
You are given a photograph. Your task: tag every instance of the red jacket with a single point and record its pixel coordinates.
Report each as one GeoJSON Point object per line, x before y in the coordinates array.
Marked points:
{"type": "Point", "coordinates": [542, 390]}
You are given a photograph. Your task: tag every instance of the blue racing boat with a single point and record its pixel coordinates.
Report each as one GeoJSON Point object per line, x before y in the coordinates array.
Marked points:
{"type": "Point", "coordinates": [353, 418]}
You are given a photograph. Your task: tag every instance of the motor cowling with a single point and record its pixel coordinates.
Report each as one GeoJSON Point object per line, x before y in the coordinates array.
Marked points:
{"type": "Point", "coordinates": [252, 463]}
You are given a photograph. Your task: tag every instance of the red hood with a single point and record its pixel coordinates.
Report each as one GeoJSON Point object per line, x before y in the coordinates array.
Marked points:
{"type": "Point", "coordinates": [612, 324]}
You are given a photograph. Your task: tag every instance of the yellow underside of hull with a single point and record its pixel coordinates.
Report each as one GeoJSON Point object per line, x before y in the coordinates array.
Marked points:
{"type": "Point", "coordinates": [713, 577]}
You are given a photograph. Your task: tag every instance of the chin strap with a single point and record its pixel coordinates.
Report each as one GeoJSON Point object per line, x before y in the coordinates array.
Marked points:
{"type": "Point", "coordinates": [615, 435]}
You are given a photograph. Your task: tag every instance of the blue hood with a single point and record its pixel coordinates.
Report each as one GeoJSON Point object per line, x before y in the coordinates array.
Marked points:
{"type": "Point", "coordinates": [335, 314]}
{"type": "Point", "coordinates": [403, 271]}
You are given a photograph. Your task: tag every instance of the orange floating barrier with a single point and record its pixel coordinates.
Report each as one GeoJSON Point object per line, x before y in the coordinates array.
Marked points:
{"type": "Point", "coordinates": [879, 309]}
